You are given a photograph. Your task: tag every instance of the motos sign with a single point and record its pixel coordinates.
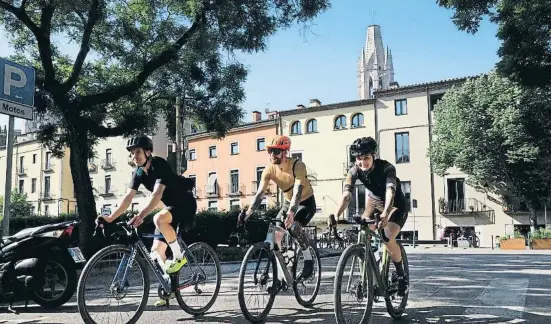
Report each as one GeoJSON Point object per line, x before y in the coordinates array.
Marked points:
{"type": "Point", "coordinates": [10, 108]}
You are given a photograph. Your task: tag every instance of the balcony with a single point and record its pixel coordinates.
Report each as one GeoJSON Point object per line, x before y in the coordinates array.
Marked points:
{"type": "Point", "coordinates": [92, 166]}
{"type": "Point", "coordinates": [48, 167]}
{"type": "Point", "coordinates": [462, 207]}
{"type": "Point", "coordinates": [47, 195]}
{"type": "Point", "coordinates": [271, 190]}
{"type": "Point", "coordinates": [514, 206]}
{"type": "Point", "coordinates": [236, 190]}
{"type": "Point", "coordinates": [107, 192]}
{"type": "Point", "coordinates": [21, 171]}
{"type": "Point", "coordinates": [108, 164]}
{"type": "Point", "coordinates": [209, 193]}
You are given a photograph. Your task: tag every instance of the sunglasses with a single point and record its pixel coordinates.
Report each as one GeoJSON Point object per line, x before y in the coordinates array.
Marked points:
{"type": "Point", "coordinates": [275, 151]}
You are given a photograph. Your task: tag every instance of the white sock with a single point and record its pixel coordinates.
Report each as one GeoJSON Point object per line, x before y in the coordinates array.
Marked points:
{"type": "Point", "coordinates": [176, 250]}
{"type": "Point", "coordinates": [307, 255]}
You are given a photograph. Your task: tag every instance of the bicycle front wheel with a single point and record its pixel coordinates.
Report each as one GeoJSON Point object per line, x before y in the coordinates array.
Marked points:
{"type": "Point", "coordinates": [306, 291]}
{"type": "Point", "coordinates": [104, 273]}
{"type": "Point", "coordinates": [206, 260]}
{"type": "Point", "coordinates": [358, 291]}
{"type": "Point", "coordinates": [255, 268]}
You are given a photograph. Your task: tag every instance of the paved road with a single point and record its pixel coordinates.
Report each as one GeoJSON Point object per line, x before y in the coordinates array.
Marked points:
{"type": "Point", "coordinates": [447, 287]}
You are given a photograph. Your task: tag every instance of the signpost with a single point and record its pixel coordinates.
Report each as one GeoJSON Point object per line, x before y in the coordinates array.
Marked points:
{"type": "Point", "coordinates": [17, 84]}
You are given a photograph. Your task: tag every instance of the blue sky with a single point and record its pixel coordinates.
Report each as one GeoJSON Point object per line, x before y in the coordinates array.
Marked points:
{"type": "Point", "coordinates": [298, 66]}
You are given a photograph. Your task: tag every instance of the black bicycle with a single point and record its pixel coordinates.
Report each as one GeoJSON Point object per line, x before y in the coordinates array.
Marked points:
{"type": "Point", "coordinates": [263, 256]}
{"type": "Point", "coordinates": [375, 279]}
{"type": "Point", "coordinates": [122, 284]}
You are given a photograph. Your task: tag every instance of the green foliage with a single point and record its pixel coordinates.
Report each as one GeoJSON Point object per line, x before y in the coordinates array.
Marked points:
{"type": "Point", "coordinates": [19, 207]}
{"type": "Point", "coordinates": [542, 233]}
{"type": "Point", "coordinates": [515, 235]}
{"type": "Point", "coordinates": [525, 50]}
{"type": "Point", "coordinates": [499, 134]}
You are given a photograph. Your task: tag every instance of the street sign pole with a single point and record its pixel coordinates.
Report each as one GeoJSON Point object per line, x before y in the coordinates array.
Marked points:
{"type": "Point", "coordinates": [17, 84]}
{"type": "Point", "coordinates": [7, 191]}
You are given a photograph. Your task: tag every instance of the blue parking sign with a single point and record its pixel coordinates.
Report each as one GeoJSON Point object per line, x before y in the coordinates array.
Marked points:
{"type": "Point", "coordinates": [16, 83]}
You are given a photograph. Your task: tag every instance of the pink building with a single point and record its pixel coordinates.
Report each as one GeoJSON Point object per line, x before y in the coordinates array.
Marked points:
{"type": "Point", "coordinates": [227, 171]}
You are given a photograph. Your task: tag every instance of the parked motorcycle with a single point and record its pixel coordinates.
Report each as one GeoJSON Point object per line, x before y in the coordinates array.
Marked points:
{"type": "Point", "coordinates": [35, 261]}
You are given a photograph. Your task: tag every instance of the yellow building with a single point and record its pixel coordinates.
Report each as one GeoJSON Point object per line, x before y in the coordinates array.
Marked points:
{"type": "Point", "coordinates": [404, 116]}
{"type": "Point", "coordinates": [46, 180]}
{"type": "Point", "coordinates": [321, 136]}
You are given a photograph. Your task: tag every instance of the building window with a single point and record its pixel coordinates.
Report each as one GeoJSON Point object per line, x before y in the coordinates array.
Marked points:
{"type": "Point", "coordinates": [33, 185]}
{"type": "Point", "coordinates": [134, 207]}
{"type": "Point", "coordinates": [213, 205]}
{"type": "Point", "coordinates": [33, 210]}
{"type": "Point", "coordinates": [107, 184]}
{"type": "Point", "coordinates": [406, 189]}
{"type": "Point", "coordinates": [401, 107]}
{"type": "Point", "coordinates": [46, 210]}
{"type": "Point", "coordinates": [297, 156]}
{"type": "Point", "coordinates": [295, 128]}
{"type": "Point", "coordinates": [192, 155]}
{"type": "Point", "coordinates": [108, 156]}
{"type": "Point", "coordinates": [234, 148]}
{"type": "Point", "coordinates": [169, 148]}
{"type": "Point", "coordinates": [34, 158]}
{"type": "Point", "coordinates": [402, 147]}
{"type": "Point", "coordinates": [48, 160]}
{"type": "Point", "coordinates": [234, 204]}
{"type": "Point", "coordinates": [21, 186]}
{"type": "Point", "coordinates": [312, 126]}
{"type": "Point", "coordinates": [357, 120]}
{"type": "Point", "coordinates": [21, 164]}
{"type": "Point", "coordinates": [260, 144]}
{"type": "Point", "coordinates": [340, 122]}
{"type": "Point", "coordinates": [456, 195]}
{"type": "Point", "coordinates": [234, 181]}
{"type": "Point", "coordinates": [47, 186]}
{"type": "Point", "coordinates": [212, 151]}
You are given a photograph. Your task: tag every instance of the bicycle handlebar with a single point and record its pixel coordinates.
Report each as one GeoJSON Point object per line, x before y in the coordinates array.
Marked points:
{"type": "Point", "coordinates": [375, 221]}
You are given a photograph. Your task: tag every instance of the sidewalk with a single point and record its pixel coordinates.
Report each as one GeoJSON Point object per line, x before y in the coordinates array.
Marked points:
{"type": "Point", "coordinates": [455, 250]}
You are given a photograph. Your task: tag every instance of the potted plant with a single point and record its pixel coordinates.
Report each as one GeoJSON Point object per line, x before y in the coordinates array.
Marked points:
{"type": "Point", "coordinates": [541, 240]}
{"type": "Point", "coordinates": [513, 242]}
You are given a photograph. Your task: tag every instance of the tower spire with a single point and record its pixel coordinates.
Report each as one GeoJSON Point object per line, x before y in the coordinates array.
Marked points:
{"type": "Point", "coordinates": [375, 67]}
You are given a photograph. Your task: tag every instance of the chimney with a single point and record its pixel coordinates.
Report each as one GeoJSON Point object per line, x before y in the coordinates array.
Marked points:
{"type": "Point", "coordinates": [315, 102]}
{"type": "Point", "coordinates": [300, 106]}
{"type": "Point", "coordinates": [257, 116]}
{"type": "Point", "coordinates": [394, 85]}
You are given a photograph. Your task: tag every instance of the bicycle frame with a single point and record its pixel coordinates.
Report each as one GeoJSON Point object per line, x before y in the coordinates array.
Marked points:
{"type": "Point", "coordinates": [270, 239]}
{"type": "Point", "coordinates": [139, 246]}
{"type": "Point", "coordinates": [363, 241]}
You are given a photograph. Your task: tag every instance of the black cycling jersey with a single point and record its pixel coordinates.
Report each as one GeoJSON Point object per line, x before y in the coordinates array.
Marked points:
{"type": "Point", "coordinates": [160, 172]}
{"type": "Point", "coordinates": [377, 180]}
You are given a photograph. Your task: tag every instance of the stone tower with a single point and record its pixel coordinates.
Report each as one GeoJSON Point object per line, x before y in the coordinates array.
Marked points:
{"type": "Point", "coordinates": [375, 68]}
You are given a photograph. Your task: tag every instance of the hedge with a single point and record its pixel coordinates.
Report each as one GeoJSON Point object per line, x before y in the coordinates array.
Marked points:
{"type": "Point", "coordinates": [211, 227]}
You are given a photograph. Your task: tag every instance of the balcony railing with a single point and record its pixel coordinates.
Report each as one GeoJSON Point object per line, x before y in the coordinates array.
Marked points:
{"type": "Point", "coordinates": [47, 195]}
{"type": "Point", "coordinates": [105, 192]}
{"type": "Point", "coordinates": [271, 189]}
{"type": "Point", "coordinates": [108, 164]}
{"type": "Point", "coordinates": [515, 206]}
{"type": "Point", "coordinates": [458, 207]}
{"type": "Point", "coordinates": [21, 171]}
{"type": "Point", "coordinates": [48, 167]}
{"type": "Point", "coordinates": [213, 193]}
{"type": "Point", "coordinates": [235, 189]}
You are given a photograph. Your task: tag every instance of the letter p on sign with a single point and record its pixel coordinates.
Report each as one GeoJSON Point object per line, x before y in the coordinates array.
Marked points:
{"type": "Point", "coordinates": [9, 81]}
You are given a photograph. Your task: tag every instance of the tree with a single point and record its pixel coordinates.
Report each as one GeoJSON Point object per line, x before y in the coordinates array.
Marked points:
{"type": "Point", "coordinates": [134, 57]}
{"type": "Point", "coordinates": [498, 133]}
{"type": "Point", "coordinates": [19, 207]}
{"type": "Point", "coordinates": [523, 28]}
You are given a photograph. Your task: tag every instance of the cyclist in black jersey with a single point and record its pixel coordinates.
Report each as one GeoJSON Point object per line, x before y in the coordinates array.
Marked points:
{"type": "Point", "coordinates": [174, 191]}
{"type": "Point", "coordinates": [384, 194]}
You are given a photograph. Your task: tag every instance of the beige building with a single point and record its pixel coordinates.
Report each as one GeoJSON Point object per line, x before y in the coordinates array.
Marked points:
{"type": "Point", "coordinates": [321, 136]}
{"type": "Point", "coordinates": [46, 180]}
{"type": "Point", "coordinates": [404, 116]}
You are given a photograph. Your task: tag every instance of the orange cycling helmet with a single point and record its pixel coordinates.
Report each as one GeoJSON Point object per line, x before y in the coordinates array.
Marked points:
{"type": "Point", "coordinates": [281, 142]}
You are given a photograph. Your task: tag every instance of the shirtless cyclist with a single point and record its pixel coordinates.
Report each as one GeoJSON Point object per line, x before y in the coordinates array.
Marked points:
{"type": "Point", "coordinates": [299, 205]}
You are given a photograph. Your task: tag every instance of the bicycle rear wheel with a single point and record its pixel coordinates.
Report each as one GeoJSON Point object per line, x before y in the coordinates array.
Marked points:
{"type": "Point", "coordinates": [395, 312]}
{"type": "Point", "coordinates": [254, 259]}
{"type": "Point", "coordinates": [113, 284]}
{"type": "Point", "coordinates": [356, 289]}
{"type": "Point", "coordinates": [202, 252]}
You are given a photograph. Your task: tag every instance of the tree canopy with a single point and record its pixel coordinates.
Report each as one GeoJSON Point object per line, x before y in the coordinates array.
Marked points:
{"type": "Point", "coordinates": [498, 133]}
{"type": "Point", "coordinates": [523, 28]}
{"type": "Point", "coordinates": [134, 57]}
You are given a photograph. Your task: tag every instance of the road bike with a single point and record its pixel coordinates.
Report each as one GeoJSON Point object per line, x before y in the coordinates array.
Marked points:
{"type": "Point", "coordinates": [283, 257]}
{"type": "Point", "coordinates": [375, 280]}
{"type": "Point", "coordinates": [134, 253]}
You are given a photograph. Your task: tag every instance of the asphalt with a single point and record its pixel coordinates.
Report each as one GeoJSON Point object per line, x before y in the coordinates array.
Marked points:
{"type": "Point", "coordinates": [447, 286]}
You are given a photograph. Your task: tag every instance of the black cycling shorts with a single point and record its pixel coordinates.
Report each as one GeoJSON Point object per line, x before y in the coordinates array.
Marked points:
{"type": "Point", "coordinates": [306, 210]}
{"type": "Point", "coordinates": [182, 215]}
{"type": "Point", "coordinates": [399, 213]}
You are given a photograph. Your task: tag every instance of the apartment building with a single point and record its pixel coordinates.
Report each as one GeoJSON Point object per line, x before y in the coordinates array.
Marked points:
{"type": "Point", "coordinates": [46, 180]}
{"type": "Point", "coordinates": [227, 170]}
{"type": "Point", "coordinates": [404, 119]}
{"type": "Point", "coordinates": [321, 136]}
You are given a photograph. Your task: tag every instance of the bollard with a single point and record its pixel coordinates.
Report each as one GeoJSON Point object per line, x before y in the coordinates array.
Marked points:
{"type": "Point", "coordinates": [492, 242]}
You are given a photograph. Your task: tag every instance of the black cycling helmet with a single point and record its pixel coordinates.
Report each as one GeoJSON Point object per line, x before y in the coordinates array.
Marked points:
{"type": "Point", "coordinates": [363, 146]}
{"type": "Point", "coordinates": [139, 141]}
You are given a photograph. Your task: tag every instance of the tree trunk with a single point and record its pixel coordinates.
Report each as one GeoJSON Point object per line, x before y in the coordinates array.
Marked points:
{"type": "Point", "coordinates": [83, 189]}
{"type": "Point", "coordinates": [533, 218]}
